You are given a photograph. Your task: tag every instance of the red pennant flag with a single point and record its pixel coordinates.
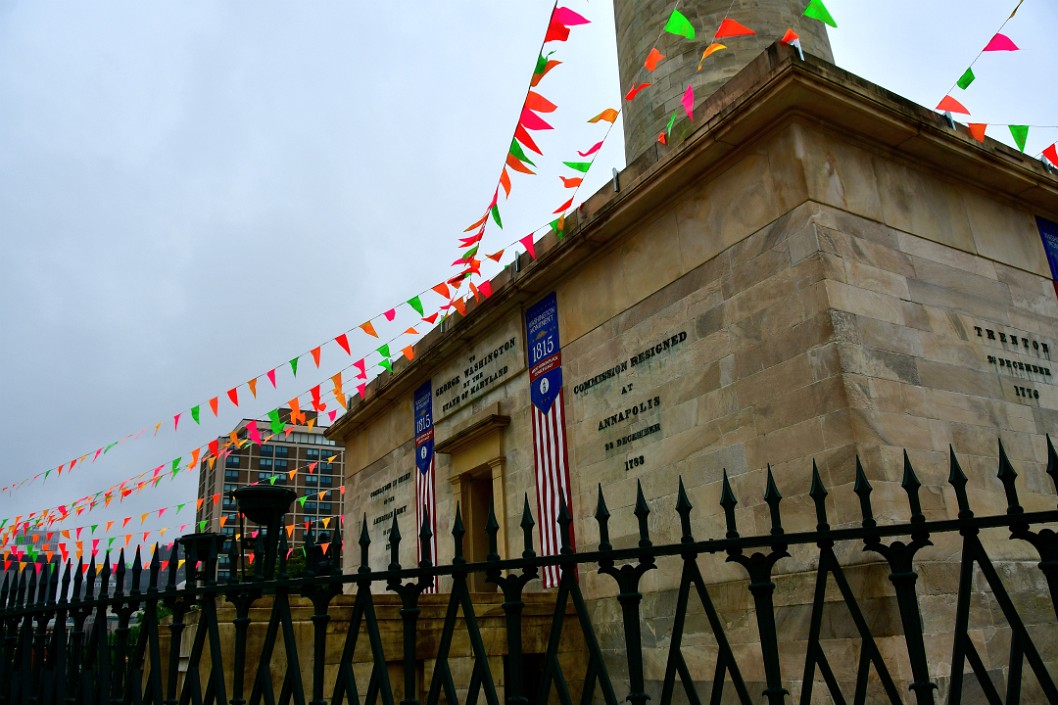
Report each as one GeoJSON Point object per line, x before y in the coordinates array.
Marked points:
{"type": "Point", "coordinates": [790, 37]}
{"type": "Point", "coordinates": [977, 130]}
{"type": "Point", "coordinates": [522, 135]}
{"type": "Point", "coordinates": [369, 329]}
{"type": "Point", "coordinates": [214, 447]}
{"type": "Point", "coordinates": [661, 138]}
{"type": "Point", "coordinates": [233, 394]}
{"type": "Point", "coordinates": [431, 319]}
{"type": "Point", "coordinates": [527, 242]}
{"type": "Point", "coordinates": [950, 105]}
{"type": "Point", "coordinates": [564, 207]}
{"type": "Point", "coordinates": [631, 94]}
{"type": "Point", "coordinates": [653, 59]}
{"type": "Point", "coordinates": [1052, 153]}
{"type": "Point", "coordinates": [556, 32]}
{"type": "Point", "coordinates": [213, 405]}
{"type": "Point", "coordinates": [485, 288]}
{"type": "Point", "coordinates": [343, 343]}
{"type": "Point", "coordinates": [731, 28]}
{"type": "Point", "coordinates": [315, 352]}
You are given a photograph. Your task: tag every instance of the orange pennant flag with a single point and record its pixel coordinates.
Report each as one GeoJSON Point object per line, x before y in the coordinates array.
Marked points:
{"type": "Point", "coordinates": [198, 505]}
{"type": "Point", "coordinates": [327, 523]}
{"type": "Point", "coordinates": [539, 104]}
{"type": "Point", "coordinates": [653, 59]}
{"type": "Point", "coordinates": [411, 331]}
{"type": "Point", "coordinates": [324, 493]}
{"type": "Point", "coordinates": [609, 115]}
{"type": "Point", "coordinates": [252, 384]}
{"type": "Point", "coordinates": [977, 130]}
{"type": "Point", "coordinates": [369, 329]}
{"type": "Point", "coordinates": [213, 405]}
{"type": "Point", "coordinates": [409, 352]}
{"type": "Point", "coordinates": [223, 521]}
{"type": "Point", "coordinates": [478, 224]}
{"type": "Point", "coordinates": [950, 105]}
{"type": "Point", "coordinates": [296, 414]}
{"type": "Point", "coordinates": [505, 182]}
{"type": "Point", "coordinates": [731, 28]}
{"type": "Point", "coordinates": [496, 256]}
{"type": "Point", "coordinates": [571, 182]}
{"type": "Point", "coordinates": [315, 352]}
{"type": "Point", "coordinates": [290, 530]}
{"type": "Point", "coordinates": [516, 164]}
{"type": "Point", "coordinates": [442, 289]}
{"type": "Point", "coordinates": [709, 51]}
{"type": "Point", "coordinates": [292, 473]}
{"type": "Point", "coordinates": [460, 306]}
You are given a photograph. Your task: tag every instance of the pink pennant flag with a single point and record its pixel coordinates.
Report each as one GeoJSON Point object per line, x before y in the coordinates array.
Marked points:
{"type": "Point", "coordinates": [332, 414]}
{"type": "Point", "coordinates": [360, 365]}
{"type": "Point", "coordinates": [361, 389]}
{"type": "Point", "coordinates": [176, 425]}
{"type": "Point", "coordinates": [390, 314]}
{"type": "Point", "coordinates": [532, 121]}
{"type": "Point", "coordinates": [253, 433]}
{"type": "Point", "coordinates": [527, 242]}
{"type": "Point", "coordinates": [1000, 42]}
{"type": "Point", "coordinates": [272, 377]}
{"type": "Point", "coordinates": [688, 101]}
{"type": "Point", "coordinates": [567, 17]}
{"type": "Point", "coordinates": [591, 151]}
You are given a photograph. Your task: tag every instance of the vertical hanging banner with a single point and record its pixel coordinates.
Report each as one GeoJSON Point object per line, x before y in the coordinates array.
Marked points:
{"type": "Point", "coordinates": [1049, 233]}
{"type": "Point", "coordinates": [550, 458]}
{"type": "Point", "coordinates": [425, 498]}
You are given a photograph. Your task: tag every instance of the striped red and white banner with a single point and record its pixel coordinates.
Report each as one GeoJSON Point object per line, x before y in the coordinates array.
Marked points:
{"type": "Point", "coordinates": [552, 481]}
{"type": "Point", "coordinates": [550, 453]}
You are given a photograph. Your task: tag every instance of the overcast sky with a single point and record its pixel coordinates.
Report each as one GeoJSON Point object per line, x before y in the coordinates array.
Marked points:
{"type": "Point", "coordinates": [193, 193]}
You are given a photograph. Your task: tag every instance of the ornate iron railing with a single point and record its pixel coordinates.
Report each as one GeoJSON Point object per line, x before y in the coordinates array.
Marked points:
{"type": "Point", "coordinates": [339, 638]}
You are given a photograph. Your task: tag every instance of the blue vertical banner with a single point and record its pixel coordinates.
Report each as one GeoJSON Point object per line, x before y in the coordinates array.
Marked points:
{"type": "Point", "coordinates": [425, 496]}
{"type": "Point", "coordinates": [1049, 233]}
{"type": "Point", "coordinates": [550, 453]}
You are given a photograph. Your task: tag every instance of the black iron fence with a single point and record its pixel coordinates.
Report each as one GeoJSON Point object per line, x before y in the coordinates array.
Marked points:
{"type": "Point", "coordinates": [77, 634]}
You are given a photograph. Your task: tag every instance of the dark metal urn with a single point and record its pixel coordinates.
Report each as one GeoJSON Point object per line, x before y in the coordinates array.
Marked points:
{"type": "Point", "coordinates": [265, 505]}
{"type": "Point", "coordinates": [201, 552]}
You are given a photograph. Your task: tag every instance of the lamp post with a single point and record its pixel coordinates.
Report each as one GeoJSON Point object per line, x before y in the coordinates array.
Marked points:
{"type": "Point", "coordinates": [266, 505]}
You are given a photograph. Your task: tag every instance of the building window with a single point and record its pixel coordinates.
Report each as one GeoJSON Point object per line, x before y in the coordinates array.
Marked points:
{"type": "Point", "coordinates": [281, 463]}
{"type": "Point", "coordinates": [310, 506]}
{"type": "Point", "coordinates": [265, 463]}
{"type": "Point", "coordinates": [325, 507]}
{"type": "Point", "coordinates": [231, 475]}
{"type": "Point", "coordinates": [232, 461]}
{"type": "Point", "coordinates": [324, 466]}
{"type": "Point", "coordinates": [312, 453]}
{"type": "Point", "coordinates": [282, 451]}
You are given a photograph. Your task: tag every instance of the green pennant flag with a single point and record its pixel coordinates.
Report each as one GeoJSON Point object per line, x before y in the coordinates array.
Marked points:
{"type": "Point", "coordinates": [416, 304]}
{"type": "Point", "coordinates": [294, 366]}
{"type": "Point", "coordinates": [202, 525]}
{"type": "Point", "coordinates": [1020, 133]}
{"type": "Point", "coordinates": [180, 506]}
{"type": "Point", "coordinates": [386, 364]}
{"type": "Point", "coordinates": [966, 79]}
{"type": "Point", "coordinates": [176, 465]}
{"type": "Point", "coordinates": [469, 254]}
{"type": "Point", "coordinates": [818, 11]}
{"type": "Point", "coordinates": [272, 480]}
{"type": "Point", "coordinates": [558, 228]}
{"type": "Point", "coordinates": [46, 473]}
{"type": "Point", "coordinates": [194, 413]}
{"type": "Point", "coordinates": [277, 424]}
{"type": "Point", "coordinates": [678, 24]}
{"type": "Point", "coordinates": [672, 121]}
{"type": "Point", "coordinates": [94, 527]}
{"type": "Point", "coordinates": [302, 500]}
{"type": "Point", "coordinates": [519, 153]}
{"type": "Point", "coordinates": [579, 166]}
{"type": "Point", "coordinates": [496, 215]}
{"type": "Point", "coordinates": [384, 350]}
{"type": "Point", "coordinates": [110, 446]}
{"type": "Point", "coordinates": [110, 542]}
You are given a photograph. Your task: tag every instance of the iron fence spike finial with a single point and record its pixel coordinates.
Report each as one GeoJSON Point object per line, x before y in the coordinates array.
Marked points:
{"type": "Point", "coordinates": [31, 594]}
{"type": "Point", "coordinates": [425, 534]}
{"type": "Point", "coordinates": [818, 493]}
{"type": "Point", "coordinates": [64, 585]}
{"type": "Point", "coordinates": [53, 584]}
{"type": "Point", "coordinates": [602, 518]}
{"type": "Point", "coordinates": [78, 577]}
{"type": "Point", "coordinates": [1007, 475]}
{"type": "Point", "coordinates": [772, 497]}
{"type": "Point", "coordinates": [1052, 461]}
{"type": "Point", "coordinates": [863, 490]}
{"type": "Point", "coordinates": [642, 512]}
{"type": "Point", "coordinates": [155, 567]}
{"type": "Point", "coordinates": [564, 523]}
{"type": "Point", "coordinates": [458, 531]}
{"type": "Point", "coordinates": [728, 502]}
{"type": "Point", "coordinates": [394, 544]}
{"type": "Point", "coordinates": [492, 530]}
{"type": "Point", "coordinates": [911, 486]}
{"type": "Point", "coordinates": [683, 508]}
{"type": "Point", "coordinates": [174, 563]}
{"type": "Point", "coordinates": [365, 543]}
{"type": "Point", "coordinates": [527, 528]}
{"type": "Point", "coordinates": [957, 479]}
{"type": "Point", "coordinates": [90, 589]}
{"type": "Point", "coordinates": [119, 582]}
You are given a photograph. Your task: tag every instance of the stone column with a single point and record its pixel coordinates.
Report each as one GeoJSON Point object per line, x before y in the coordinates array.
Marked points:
{"type": "Point", "coordinates": [639, 23]}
